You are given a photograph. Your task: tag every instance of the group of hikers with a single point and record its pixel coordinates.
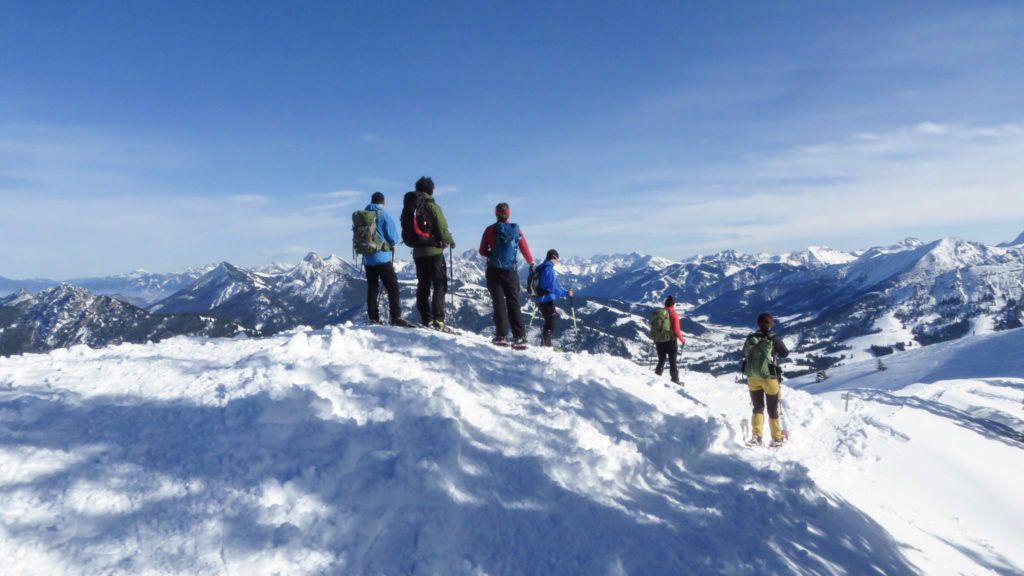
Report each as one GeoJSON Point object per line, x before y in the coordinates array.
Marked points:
{"type": "Point", "coordinates": [425, 229]}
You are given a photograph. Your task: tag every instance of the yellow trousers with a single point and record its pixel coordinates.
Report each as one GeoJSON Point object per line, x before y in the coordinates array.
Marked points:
{"type": "Point", "coordinates": [765, 392]}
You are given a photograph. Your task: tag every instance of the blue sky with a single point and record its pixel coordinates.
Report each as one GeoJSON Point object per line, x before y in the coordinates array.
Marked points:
{"type": "Point", "coordinates": [167, 135]}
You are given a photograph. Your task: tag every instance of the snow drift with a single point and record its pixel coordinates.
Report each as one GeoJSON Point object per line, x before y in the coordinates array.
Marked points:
{"type": "Point", "coordinates": [378, 450]}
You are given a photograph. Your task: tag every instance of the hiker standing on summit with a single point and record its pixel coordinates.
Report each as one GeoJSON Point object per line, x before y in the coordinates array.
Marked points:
{"type": "Point", "coordinates": [547, 291]}
{"type": "Point", "coordinates": [425, 230]}
{"type": "Point", "coordinates": [375, 236]}
{"type": "Point", "coordinates": [760, 351]}
{"type": "Point", "coordinates": [499, 244]}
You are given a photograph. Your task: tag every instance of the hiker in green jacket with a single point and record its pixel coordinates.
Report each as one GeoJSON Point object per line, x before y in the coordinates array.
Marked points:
{"type": "Point", "coordinates": [431, 271]}
{"type": "Point", "coordinates": [764, 377]}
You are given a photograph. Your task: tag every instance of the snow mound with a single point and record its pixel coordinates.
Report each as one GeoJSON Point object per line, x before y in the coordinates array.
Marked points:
{"type": "Point", "coordinates": [379, 450]}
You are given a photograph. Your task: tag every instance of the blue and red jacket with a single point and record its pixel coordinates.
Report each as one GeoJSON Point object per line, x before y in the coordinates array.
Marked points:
{"type": "Point", "coordinates": [491, 236]}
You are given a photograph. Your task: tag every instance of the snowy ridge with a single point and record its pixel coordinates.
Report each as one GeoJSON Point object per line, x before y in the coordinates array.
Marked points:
{"type": "Point", "coordinates": [69, 315]}
{"type": "Point", "coordinates": [374, 450]}
{"type": "Point", "coordinates": [837, 305]}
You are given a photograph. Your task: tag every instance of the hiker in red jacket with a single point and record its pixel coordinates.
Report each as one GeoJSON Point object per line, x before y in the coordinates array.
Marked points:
{"type": "Point", "coordinates": [500, 244]}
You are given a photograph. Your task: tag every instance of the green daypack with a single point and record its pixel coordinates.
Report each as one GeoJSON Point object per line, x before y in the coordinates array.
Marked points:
{"type": "Point", "coordinates": [364, 233]}
{"type": "Point", "coordinates": [661, 326]}
{"type": "Point", "coordinates": [759, 351]}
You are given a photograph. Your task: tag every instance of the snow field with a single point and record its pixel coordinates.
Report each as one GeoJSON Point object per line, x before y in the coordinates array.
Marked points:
{"type": "Point", "coordinates": [376, 450]}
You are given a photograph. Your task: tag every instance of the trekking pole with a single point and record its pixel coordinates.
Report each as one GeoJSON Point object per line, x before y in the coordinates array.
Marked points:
{"type": "Point", "coordinates": [782, 418]}
{"type": "Point", "coordinates": [573, 307]}
{"type": "Point", "coordinates": [451, 293]}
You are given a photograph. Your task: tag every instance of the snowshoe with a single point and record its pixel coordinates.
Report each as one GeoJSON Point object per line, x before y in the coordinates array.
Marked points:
{"type": "Point", "coordinates": [442, 327]}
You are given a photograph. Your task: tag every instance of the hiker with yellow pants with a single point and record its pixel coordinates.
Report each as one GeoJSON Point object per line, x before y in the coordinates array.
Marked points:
{"type": "Point", "coordinates": [760, 350]}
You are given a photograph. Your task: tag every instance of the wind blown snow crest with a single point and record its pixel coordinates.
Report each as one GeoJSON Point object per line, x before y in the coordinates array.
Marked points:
{"type": "Point", "coordinates": [377, 450]}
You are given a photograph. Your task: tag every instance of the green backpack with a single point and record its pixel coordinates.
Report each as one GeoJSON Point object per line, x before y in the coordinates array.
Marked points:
{"type": "Point", "coordinates": [364, 233]}
{"type": "Point", "coordinates": [759, 351]}
{"type": "Point", "coordinates": [661, 326]}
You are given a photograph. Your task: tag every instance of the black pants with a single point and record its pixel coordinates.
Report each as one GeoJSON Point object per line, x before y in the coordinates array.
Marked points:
{"type": "Point", "coordinates": [670, 350]}
{"type": "Point", "coordinates": [547, 310]}
{"type": "Point", "coordinates": [375, 275]}
{"type": "Point", "coordinates": [504, 288]}
{"type": "Point", "coordinates": [431, 274]}
{"type": "Point", "coordinates": [759, 398]}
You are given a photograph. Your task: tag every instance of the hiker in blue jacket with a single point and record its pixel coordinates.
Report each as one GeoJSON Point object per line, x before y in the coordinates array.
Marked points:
{"type": "Point", "coordinates": [380, 267]}
{"type": "Point", "coordinates": [549, 291]}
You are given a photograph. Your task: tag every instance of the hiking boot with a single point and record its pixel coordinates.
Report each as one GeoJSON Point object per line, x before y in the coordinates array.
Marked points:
{"type": "Point", "coordinates": [754, 441]}
{"type": "Point", "coordinates": [441, 327]}
{"type": "Point", "coordinates": [777, 443]}
{"type": "Point", "coordinates": [399, 322]}
{"type": "Point", "coordinates": [499, 341]}
{"type": "Point", "coordinates": [519, 342]}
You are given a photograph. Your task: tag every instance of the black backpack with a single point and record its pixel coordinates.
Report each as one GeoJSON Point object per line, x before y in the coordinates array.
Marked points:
{"type": "Point", "coordinates": [533, 283]}
{"type": "Point", "coordinates": [416, 229]}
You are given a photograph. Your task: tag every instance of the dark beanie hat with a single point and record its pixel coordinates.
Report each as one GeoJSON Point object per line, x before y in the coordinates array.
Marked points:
{"type": "Point", "coordinates": [552, 254]}
{"type": "Point", "coordinates": [670, 301]}
{"type": "Point", "coordinates": [377, 198]}
{"type": "Point", "coordinates": [425, 184]}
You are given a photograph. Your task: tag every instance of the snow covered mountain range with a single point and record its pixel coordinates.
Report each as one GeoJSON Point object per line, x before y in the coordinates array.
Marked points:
{"type": "Point", "coordinates": [831, 306]}
{"type": "Point", "coordinates": [68, 315]}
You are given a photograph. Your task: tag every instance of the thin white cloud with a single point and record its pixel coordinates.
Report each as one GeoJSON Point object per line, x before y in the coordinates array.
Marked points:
{"type": "Point", "coordinates": [82, 159]}
{"type": "Point", "coordinates": [341, 194]}
{"type": "Point", "coordinates": [924, 175]}
{"type": "Point", "coordinates": [929, 128]}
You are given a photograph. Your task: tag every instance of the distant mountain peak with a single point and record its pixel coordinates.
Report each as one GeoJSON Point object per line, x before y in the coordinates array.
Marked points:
{"type": "Point", "coordinates": [1016, 242]}
{"type": "Point", "coordinates": [64, 291]}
